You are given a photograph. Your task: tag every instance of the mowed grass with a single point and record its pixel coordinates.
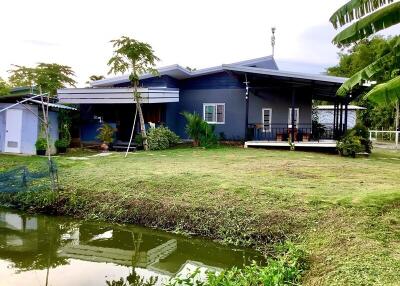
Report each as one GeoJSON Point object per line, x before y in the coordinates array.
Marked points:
{"type": "Point", "coordinates": [344, 212]}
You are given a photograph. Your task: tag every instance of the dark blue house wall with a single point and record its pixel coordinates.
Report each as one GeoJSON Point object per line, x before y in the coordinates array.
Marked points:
{"type": "Point", "coordinates": [216, 88]}
{"type": "Point", "coordinates": [280, 102]}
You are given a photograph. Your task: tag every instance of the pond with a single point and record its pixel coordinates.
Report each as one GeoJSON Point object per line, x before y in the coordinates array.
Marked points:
{"type": "Point", "coordinates": [46, 250]}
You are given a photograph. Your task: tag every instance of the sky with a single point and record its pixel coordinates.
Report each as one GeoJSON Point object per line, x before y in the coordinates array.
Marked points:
{"type": "Point", "coordinates": [191, 33]}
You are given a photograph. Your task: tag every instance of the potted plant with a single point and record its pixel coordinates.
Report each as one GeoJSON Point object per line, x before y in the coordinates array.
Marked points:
{"type": "Point", "coordinates": [106, 133]}
{"type": "Point", "coordinates": [41, 146]}
{"type": "Point", "coordinates": [61, 145]}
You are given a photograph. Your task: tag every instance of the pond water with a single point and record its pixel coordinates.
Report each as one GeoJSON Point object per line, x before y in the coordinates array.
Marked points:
{"type": "Point", "coordinates": [46, 250]}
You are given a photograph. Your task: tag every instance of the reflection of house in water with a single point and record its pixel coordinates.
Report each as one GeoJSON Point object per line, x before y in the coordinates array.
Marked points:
{"type": "Point", "coordinates": [157, 253]}
{"type": "Point", "coordinates": [17, 233]}
{"type": "Point", "coordinates": [41, 242]}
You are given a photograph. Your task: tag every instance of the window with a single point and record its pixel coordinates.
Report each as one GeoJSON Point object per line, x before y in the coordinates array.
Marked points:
{"type": "Point", "coordinates": [214, 113]}
{"type": "Point", "coordinates": [267, 119]}
{"type": "Point", "coordinates": [296, 117]}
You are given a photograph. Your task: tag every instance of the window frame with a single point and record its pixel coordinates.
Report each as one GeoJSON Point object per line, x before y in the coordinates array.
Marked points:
{"type": "Point", "coordinates": [270, 119]}
{"type": "Point", "coordinates": [296, 109]}
{"type": "Point", "coordinates": [215, 105]}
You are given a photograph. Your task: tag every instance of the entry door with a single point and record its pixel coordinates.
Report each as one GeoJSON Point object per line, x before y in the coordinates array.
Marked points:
{"type": "Point", "coordinates": [13, 131]}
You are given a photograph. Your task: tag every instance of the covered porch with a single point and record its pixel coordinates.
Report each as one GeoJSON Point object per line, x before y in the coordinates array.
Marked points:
{"type": "Point", "coordinates": [116, 107]}
{"type": "Point", "coordinates": [286, 117]}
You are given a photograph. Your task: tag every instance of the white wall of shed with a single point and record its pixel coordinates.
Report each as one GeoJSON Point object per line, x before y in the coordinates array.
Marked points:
{"type": "Point", "coordinates": [326, 117]}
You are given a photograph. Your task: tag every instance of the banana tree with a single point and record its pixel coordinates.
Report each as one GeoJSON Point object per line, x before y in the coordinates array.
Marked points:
{"type": "Point", "coordinates": [137, 58]}
{"type": "Point", "coordinates": [365, 18]}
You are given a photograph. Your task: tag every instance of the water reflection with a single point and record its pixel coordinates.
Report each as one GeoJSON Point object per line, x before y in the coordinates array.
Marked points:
{"type": "Point", "coordinates": [42, 250]}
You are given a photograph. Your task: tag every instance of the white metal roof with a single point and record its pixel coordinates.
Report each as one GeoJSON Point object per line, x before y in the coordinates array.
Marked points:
{"type": "Point", "coordinates": [286, 74]}
{"type": "Point", "coordinates": [54, 105]}
{"type": "Point", "coordinates": [178, 72]}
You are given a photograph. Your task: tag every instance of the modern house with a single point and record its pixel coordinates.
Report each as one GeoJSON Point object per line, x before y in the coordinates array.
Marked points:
{"type": "Point", "coordinates": [250, 100]}
{"type": "Point", "coordinates": [20, 125]}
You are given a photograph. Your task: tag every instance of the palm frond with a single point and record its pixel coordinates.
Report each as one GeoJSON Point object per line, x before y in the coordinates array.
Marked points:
{"type": "Point", "coordinates": [355, 9]}
{"type": "Point", "coordinates": [369, 71]}
{"type": "Point", "coordinates": [385, 93]}
{"type": "Point", "coordinates": [369, 25]}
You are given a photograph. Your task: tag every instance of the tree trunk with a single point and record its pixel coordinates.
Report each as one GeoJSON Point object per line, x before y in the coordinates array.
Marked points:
{"type": "Point", "coordinates": [141, 118]}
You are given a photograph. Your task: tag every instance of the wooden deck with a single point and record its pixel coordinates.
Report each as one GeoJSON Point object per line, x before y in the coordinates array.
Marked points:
{"type": "Point", "coordinates": [310, 144]}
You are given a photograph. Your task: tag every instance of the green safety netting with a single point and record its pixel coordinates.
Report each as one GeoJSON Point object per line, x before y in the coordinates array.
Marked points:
{"type": "Point", "coordinates": [41, 177]}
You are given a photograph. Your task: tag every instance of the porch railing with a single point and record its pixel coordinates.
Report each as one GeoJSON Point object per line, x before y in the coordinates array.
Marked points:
{"type": "Point", "coordinates": [282, 132]}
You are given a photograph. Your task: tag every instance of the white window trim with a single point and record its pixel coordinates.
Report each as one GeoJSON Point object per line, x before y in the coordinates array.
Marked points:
{"type": "Point", "coordinates": [213, 104]}
{"type": "Point", "coordinates": [270, 120]}
{"type": "Point", "coordinates": [297, 117]}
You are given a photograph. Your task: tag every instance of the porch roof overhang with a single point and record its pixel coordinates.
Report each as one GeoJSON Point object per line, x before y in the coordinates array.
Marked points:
{"type": "Point", "coordinates": [116, 95]}
{"type": "Point", "coordinates": [323, 87]}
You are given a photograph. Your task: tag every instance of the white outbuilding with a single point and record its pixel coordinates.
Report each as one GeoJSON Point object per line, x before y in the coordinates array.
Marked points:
{"type": "Point", "coordinates": [326, 113]}
{"type": "Point", "coordinates": [20, 124]}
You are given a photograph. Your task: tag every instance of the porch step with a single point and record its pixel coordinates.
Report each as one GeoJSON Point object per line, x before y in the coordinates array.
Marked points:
{"type": "Point", "coordinates": [122, 146]}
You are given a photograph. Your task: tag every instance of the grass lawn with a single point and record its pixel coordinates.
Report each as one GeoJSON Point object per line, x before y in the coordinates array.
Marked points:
{"type": "Point", "coordinates": [344, 212]}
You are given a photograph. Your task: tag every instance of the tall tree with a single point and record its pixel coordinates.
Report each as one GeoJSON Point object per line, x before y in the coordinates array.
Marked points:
{"type": "Point", "coordinates": [49, 77]}
{"type": "Point", "coordinates": [366, 18]}
{"type": "Point", "coordinates": [137, 58]}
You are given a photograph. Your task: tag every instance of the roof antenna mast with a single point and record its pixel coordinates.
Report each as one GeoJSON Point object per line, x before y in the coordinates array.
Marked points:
{"type": "Point", "coordinates": [273, 29]}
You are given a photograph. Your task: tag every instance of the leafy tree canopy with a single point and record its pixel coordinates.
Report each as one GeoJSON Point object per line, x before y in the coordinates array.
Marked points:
{"type": "Point", "coordinates": [95, 77]}
{"type": "Point", "coordinates": [49, 77]}
{"type": "Point", "coordinates": [360, 56]}
{"type": "Point", "coordinates": [4, 87]}
{"type": "Point", "coordinates": [134, 56]}
{"type": "Point", "coordinates": [363, 54]}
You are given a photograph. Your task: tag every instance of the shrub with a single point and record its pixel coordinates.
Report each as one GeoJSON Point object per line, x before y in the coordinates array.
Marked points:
{"type": "Point", "coordinates": [362, 132]}
{"type": "Point", "coordinates": [349, 145]}
{"type": "Point", "coordinates": [139, 140]}
{"type": "Point", "coordinates": [62, 143]}
{"type": "Point", "coordinates": [200, 131]}
{"type": "Point", "coordinates": [41, 144]}
{"type": "Point", "coordinates": [194, 127]}
{"type": "Point", "coordinates": [355, 140]}
{"type": "Point", "coordinates": [161, 138]}
{"type": "Point", "coordinates": [106, 133]}
{"type": "Point", "coordinates": [286, 269]}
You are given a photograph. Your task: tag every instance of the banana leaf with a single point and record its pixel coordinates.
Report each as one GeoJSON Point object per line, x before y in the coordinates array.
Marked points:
{"type": "Point", "coordinates": [369, 25]}
{"type": "Point", "coordinates": [355, 9]}
{"type": "Point", "coordinates": [385, 93]}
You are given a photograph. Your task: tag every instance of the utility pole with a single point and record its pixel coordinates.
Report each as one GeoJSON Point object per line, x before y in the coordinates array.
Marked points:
{"type": "Point", "coordinates": [273, 29]}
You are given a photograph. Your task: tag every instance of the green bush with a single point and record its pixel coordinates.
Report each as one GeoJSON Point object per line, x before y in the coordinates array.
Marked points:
{"type": "Point", "coordinates": [362, 132]}
{"type": "Point", "coordinates": [62, 143]}
{"type": "Point", "coordinates": [41, 144]}
{"type": "Point", "coordinates": [286, 269]}
{"type": "Point", "coordinates": [355, 140]}
{"type": "Point", "coordinates": [161, 138]}
{"type": "Point", "coordinates": [349, 145]}
{"type": "Point", "coordinates": [200, 131]}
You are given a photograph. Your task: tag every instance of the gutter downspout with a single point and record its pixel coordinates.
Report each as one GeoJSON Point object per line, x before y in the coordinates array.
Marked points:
{"type": "Point", "coordinates": [247, 109]}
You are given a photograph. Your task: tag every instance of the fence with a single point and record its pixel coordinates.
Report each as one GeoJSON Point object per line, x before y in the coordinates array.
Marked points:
{"type": "Point", "coordinates": [385, 136]}
{"type": "Point", "coordinates": [43, 176]}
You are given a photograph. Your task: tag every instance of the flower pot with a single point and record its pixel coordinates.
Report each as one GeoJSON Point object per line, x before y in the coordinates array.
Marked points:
{"type": "Point", "coordinates": [62, 150]}
{"type": "Point", "coordinates": [104, 147]}
{"type": "Point", "coordinates": [41, 152]}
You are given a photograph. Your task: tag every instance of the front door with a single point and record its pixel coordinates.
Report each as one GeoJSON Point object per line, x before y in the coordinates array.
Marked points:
{"type": "Point", "coordinates": [13, 131]}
